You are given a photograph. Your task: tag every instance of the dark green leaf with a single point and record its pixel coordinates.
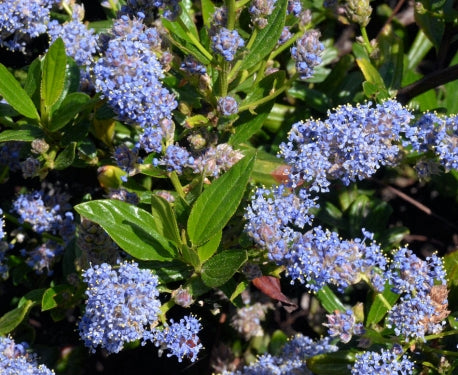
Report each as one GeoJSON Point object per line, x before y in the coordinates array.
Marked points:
{"type": "Point", "coordinates": [338, 363]}
{"type": "Point", "coordinates": [132, 228]}
{"type": "Point", "coordinates": [379, 307]}
{"type": "Point", "coordinates": [219, 201]}
{"type": "Point", "coordinates": [53, 74]}
{"type": "Point", "coordinates": [164, 216]}
{"type": "Point", "coordinates": [209, 248]}
{"type": "Point", "coordinates": [73, 104]}
{"type": "Point", "coordinates": [7, 111]}
{"type": "Point", "coordinates": [419, 49]}
{"type": "Point", "coordinates": [429, 24]}
{"type": "Point", "coordinates": [207, 12]}
{"type": "Point", "coordinates": [27, 133]}
{"type": "Point", "coordinates": [267, 38]}
{"type": "Point", "coordinates": [32, 82]}
{"type": "Point", "coordinates": [66, 157]}
{"type": "Point", "coordinates": [221, 267]}
{"type": "Point", "coordinates": [169, 271]}
{"type": "Point", "coordinates": [329, 300]}
{"type": "Point", "coordinates": [48, 301]}
{"type": "Point", "coordinates": [196, 287]}
{"type": "Point", "coordinates": [15, 95]}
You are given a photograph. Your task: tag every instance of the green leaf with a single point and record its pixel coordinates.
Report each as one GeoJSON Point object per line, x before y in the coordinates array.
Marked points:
{"type": "Point", "coordinates": [267, 38]}
{"type": "Point", "coordinates": [371, 75]}
{"type": "Point", "coordinates": [338, 363]}
{"type": "Point", "coordinates": [66, 157]}
{"type": "Point", "coordinates": [13, 318]}
{"type": "Point", "coordinates": [451, 267]}
{"type": "Point", "coordinates": [432, 26]}
{"type": "Point", "coordinates": [15, 95]}
{"type": "Point", "coordinates": [164, 216]}
{"type": "Point", "coordinates": [219, 201]}
{"type": "Point", "coordinates": [73, 104]}
{"type": "Point", "coordinates": [209, 248]}
{"type": "Point", "coordinates": [208, 8]}
{"type": "Point", "coordinates": [32, 82]}
{"type": "Point", "coordinates": [48, 301]}
{"type": "Point", "coordinates": [329, 300]}
{"type": "Point", "coordinates": [27, 133]}
{"type": "Point", "coordinates": [221, 267]}
{"type": "Point", "coordinates": [249, 124]}
{"type": "Point", "coordinates": [379, 307]}
{"type": "Point", "coordinates": [168, 272]}
{"type": "Point", "coordinates": [419, 49]}
{"type": "Point", "coordinates": [132, 228]}
{"type": "Point", "coordinates": [190, 256]}
{"type": "Point", "coordinates": [53, 74]}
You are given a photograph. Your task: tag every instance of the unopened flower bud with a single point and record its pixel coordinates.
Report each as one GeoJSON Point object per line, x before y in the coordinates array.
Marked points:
{"type": "Point", "coordinates": [182, 297]}
{"type": "Point", "coordinates": [358, 11]}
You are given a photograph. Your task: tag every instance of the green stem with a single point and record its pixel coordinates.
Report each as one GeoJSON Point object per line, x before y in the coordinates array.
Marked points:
{"type": "Point", "coordinates": [165, 308]}
{"type": "Point", "coordinates": [285, 45]}
{"type": "Point", "coordinates": [177, 184]}
{"type": "Point", "coordinates": [231, 9]}
{"type": "Point", "coordinates": [442, 334]}
{"type": "Point", "coordinates": [196, 42]}
{"type": "Point", "coordinates": [367, 42]}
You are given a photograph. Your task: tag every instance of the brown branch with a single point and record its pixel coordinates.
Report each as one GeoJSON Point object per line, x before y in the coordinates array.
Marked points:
{"type": "Point", "coordinates": [441, 77]}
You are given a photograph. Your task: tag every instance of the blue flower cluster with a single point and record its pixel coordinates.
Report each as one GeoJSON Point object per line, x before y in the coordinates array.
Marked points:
{"type": "Point", "coordinates": [422, 285]}
{"type": "Point", "coordinates": [21, 21]}
{"type": "Point", "coordinates": [44, 216]}
{"type": "Point", "coordinates": [306, 53]}
{"type": "Point", "coordinates": [343, 325]}
{"type": "Point", "coordinates": [14, 359]}
{"type": "Point", "coordinates": [121, 303]}
{"type": "Point", "coordinates": [291, 360]}
{"type": "Point", "coordinates": [176, 158]}
{"type": "Point", "coordinates": [180, 338]}
{"type": "Point", "coordinates": [352, 143]}
{"type": "Point", "coordinates": [192, 66]}
{"type": "Point", "coordinates": [43, 257]}
{"type": "Point", "coordinates": [123, 306]}
{"type": "Point", "coordinates": [149, 8]}
{"type": "Point", "coordinates": [129, 76]}
{"type": "Point", "coordinates": [294, 7]}
{"type": "Point", "coordinates": [438, 134]}
{"type": "Point", "coordinates": [80, 42]}
{"type": "Point", "coordinates": [216, 160]}
{"type": "Point", "coordinates": [226, 43]}
{"type": "Point", "coordinates": [385, 362]}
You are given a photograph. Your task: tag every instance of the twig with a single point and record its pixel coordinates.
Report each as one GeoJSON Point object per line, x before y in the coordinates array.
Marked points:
{"type": "Point", "coordinates": [419, 205]}
{"type": "Point", "coordinates": [405, 94]}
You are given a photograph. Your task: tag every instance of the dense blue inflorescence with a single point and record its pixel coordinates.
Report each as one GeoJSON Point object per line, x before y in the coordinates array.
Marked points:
{"type": "Point", "coordinates": [306, 53]}
{"type": "Point", "coordinates": [228, 106]}
{"type": "Point", "coordinates": [226, 43]}
{"type": "Point", "coordinates": [21, 21]}
{"type": "Point", "coordinates": [385, 362]}
{"type": "Point", "coordinates": [121, 304]}
{"type": "Point", "coordinates": [351, 144]}
{"type": "Point", "coordinates": [343, 325]}
{"type": "Point", "coordinates": [15, 360]}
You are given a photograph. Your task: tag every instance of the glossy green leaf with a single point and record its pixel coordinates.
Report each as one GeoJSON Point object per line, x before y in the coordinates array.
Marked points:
{"type": "Point", "coordinates": [53, 74]}
{"type": "Point", "coordinates": [370, 73]}
{"type": "Point", "coordinates": [33, 80]}
{"type": "Point", "coordinates": [27, 133]}
{"type": "Point", "coordinates": [190, 256]}
{"type": "Point", "coordinates": [451, 267]}
{"type": "Point", "coordinates": [209, 248]}
{"type": "Point", "coordinates": [73, 104]}
{"type": "Point", "coordinates": [208, 8]}
{"type": "Point", "coordinates": [15, 95]}
{"type": "Point", "coordinates": [66, 157]}
{"type": "Point", "coordinates": [392, 57]}
{"type": "Point", "coordinates": [381, 305]}
{"type": "Point", "coordinates": [169, 271]}
{"type": "Point", "coordinates": [329, 300]}
{"type": "Point", "coordinates": [267, 38]}
{"type": "Point", "coordinates": [131, 227]}
{"type": "Point", "coordinates": [12, 319]}
{"type": "Point", "coordinates": [221, 267]}
{"type": "Point", "coordinates": [338, 363]}
{"type": "Point", "coordinates": [164, 216]}
{"type": "Point", "coordinates": [219, 201]}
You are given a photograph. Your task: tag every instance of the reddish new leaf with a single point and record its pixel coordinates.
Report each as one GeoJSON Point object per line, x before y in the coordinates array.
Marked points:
{"type": "Point", "coordinates": [270, 286]}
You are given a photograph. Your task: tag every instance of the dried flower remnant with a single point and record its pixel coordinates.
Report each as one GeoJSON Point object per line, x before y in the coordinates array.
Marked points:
{"type": "Point", "coordinates": [343, 325]}
{"type": "Point", "coordinates": [227, 106]}
{"type": "Point", "coordinates": [260, 10]}
{"type": "Point", "coordinates": [247, 320]}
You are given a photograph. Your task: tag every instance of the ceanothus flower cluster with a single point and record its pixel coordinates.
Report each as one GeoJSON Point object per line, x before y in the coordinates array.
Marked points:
{"type": "Point", "coordinates": [306, 53]}
{"type": "Point", "coordinates": [226, 43]}
{"type": "Point", "coordinates": [80, 41]}
{"type": "Point", "coordinates": [291, 360]}
{"type": "Point", "coordinates": [129, 75]}
{"type": "Point", "coordinates": [260, 10]}
{"type": "Point", "coordinates": [14, 359]}
{"type": "Point", "coordinates": [123, 306]}
{"type": "Point", "coordinates": [343, 325]}
{"type": "Point", "coordinates": [21, 21]}
{"type": "Point", "coordinates": [385, 362]}
{"type": "Point", "coordinates": [351, 144]}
